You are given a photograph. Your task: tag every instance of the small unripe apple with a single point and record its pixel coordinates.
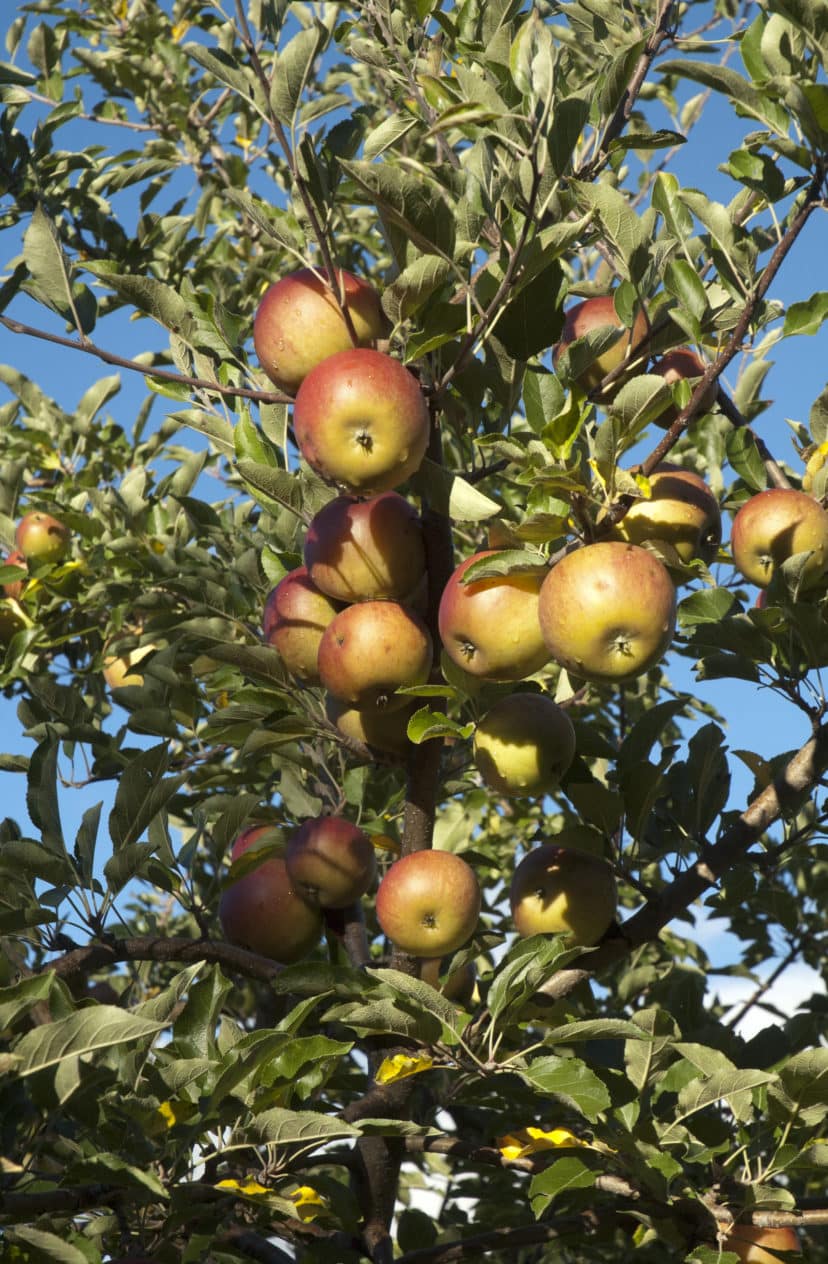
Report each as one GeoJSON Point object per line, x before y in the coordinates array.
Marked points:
{"type": "Point", "coordinates": [595, 313]}
{"type": "Point", "coordinates": [41, 538]}
{"type": "Point", "coordinates": [330, 861]}
{"type": "Point", "coordinates": [556, 890]}
{"type": "Point", "coordinates": [361, 420]}
{"type": "Point", "coordinates": [382, 729]}
{"type": "Point", "coordinates": [773, 526]}
{"type": "Point", "coordinates": [428, 903]}
{"type": "Point", "coordinates": [299, 323]}
{"type": "Point", "coordinates": [490, 627]}
{"type": "Point", "coordinates": [370, 650]}
{"type": "Point", "coordinates": [262, 910]}
{"type": "Point", "coordinates": [682, 363]}
{"type": "Point", "coordinates": [366, 550]}
{"type": "Point", "coordinates": [524, 744]}
{"type": "Point", "coordinates": [681, 512]}
{"type": "Point", "coordinates": [608, 611]}
{"type": "Point", "coordinates": [755, 1245]}
{"type": "Point", "coordinates": [295, 616]}
{"type": "Point", "coordinates": [14, 588]}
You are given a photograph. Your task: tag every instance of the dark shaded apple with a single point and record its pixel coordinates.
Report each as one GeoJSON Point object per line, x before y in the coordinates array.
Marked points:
{"type": "Point", "coordinates": [773, 526]}
{"type": "Point", "coordinates": [755, 1245]}
{"type": "Point", "coordinates": [366, 550]}
{"type": "Point", "coordinates": [382, 729]}
{"type": "Point", "coordinates": [428, 903]}
{"type": "Point", "coordinates": [597, 313]}
{"type": "Point", "coordinates": [14, 588]}
{"type": "Point", "coordinates": [262, 910]}
{"type": "Point", "coordinates": [608, 611]}
{"type": "Point", "coordinates": [458, 985]}
{"type": "Point", "coordinates": [524, 744]}
{"type": "Point", "coordinates": [682, 363]}
{"type": "Point", "coordinates": [299, 323]}
{"type": "Point", "coordinates": [295, 615]}
{"type": "Point", "coordinates": [681, 512]}
{"type": "Point", "coordinates": [41, 538]}
{"type": "Point", "coordinates": [490, 627]}
{"type": "Point", "coordinates": [556, 890]}
{"type": "Point", "coordinates": [330, 861]}
{"type": "Point", "coordinates": [361, 420]}
{"type": "Point", "coordinates": [371, 649]}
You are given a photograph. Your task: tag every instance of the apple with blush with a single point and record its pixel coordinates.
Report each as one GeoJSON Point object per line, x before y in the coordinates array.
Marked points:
{"type": "Point", "coordinates": [756, 1245]}
{"type": "Point", "coordinates": [681, 511]}
{"type": "Point", "coordinates": [40, 537]}
{"type": "Point", "coordinates": [296, 614]}
{"type": "Point", "coordinates": [14, 587]}
{"type": "Point", "coordinates": [262, 910]}
{"type": "Point", "coordinates": [777, 524]}
{"type": "Point", "coordinates": [428, 903]}
{"type": "Point", "coordinates": [679, 365]}
{"type": "Point", "coordinates": [371, 649]}
{"type": "Point", "coordinates": [366, 550]}
{"type": "Point", "coordinates": [330, 861]}
{"type": "Point", "coordinates": [599, 313]}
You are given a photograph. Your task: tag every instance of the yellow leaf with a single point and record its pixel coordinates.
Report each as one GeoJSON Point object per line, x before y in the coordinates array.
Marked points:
{"type": "Point", "coordinates": [179, 31]}
{"type": "Point", "coordinates": [250, 1189]}
{"type": "Point", "coordinates": [517, 1145]}
{"type": "Point", "coordinates": [309, 1204]}
{"type": "Point", "coordinates": [173, 1113]}
{"type": "Point", "coordinates": [400, 1066]}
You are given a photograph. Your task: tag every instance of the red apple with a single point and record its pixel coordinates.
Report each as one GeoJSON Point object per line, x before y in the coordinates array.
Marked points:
{"type": "Point", "coordinates": [681, 512]}
{"type": "Point", "coordinates": [596, 313]}
{"type": "Point", "coordinates": [330, 861]}
{"type": "Point", "coordinates": [675, 366]}
{"type": "Point", "coordinates": [262, 910]}
{"type": "Point", "coordinates": [773, 526]}
{"type": "Point", "coordinates": [41, 538]}
{"type": "Point", "coordinates": [14, 588]}
{"type": "Point", "coordinates": [754, 1245]}
{"type": "Point", "coordinates": [556, 890]}
{"type": "Point", "coordinates": [490, 627]}
{"type": "Point", "coordinates": [299, 323]}
{"type": "Point", "coordinates": [295, 616]}
{"type": "Point", "coordinates": [428, 903]}
{"type": "Point", "coordinates": [366, 550]}
{"type": "Point", "coordinates": [608, 611]}
{"type": "Point", "coordinates": [371, 649]}
{"type": "Point", "coordinates": [361, 420]}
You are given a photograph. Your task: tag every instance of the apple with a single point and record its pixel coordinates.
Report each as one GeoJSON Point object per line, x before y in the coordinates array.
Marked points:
{"type": "Point", "coordinates": [14, 588]}
{"type": "Point", "coordinates": [524, 744]}
{"type": "Point", "coordinates": [118, 669]}
{"type": "Point", "coordinates": [608, 611]}
{"type": "Point", "coordinates": [369, 650]}
{"type": "Point", "coordinates": [675, 366]}
{"type": "Point", "coordinates": [263, 911]}
{"type": "Point", "coordinates": [596, 313]}
{"type": "Point", "coordinates": [384, 730]}
{"type": "Point", "coordinates": [41, 538]}
{"type": "Point", "coordinates": [296, 613]}
{"type": "Point", "coordinates": [299, 323]}
{"type": "Point", "coordinates": [557, 890]}
{"type": "Point", "coordinates": [428, 903]}
{"type": "Point", "coordinates": [366, 550]}
{"type": "Point", "coordinates": [751, 1243]}
{"type": "Point", "coordinates": [773, 526]}
{"type": "Point", "coordinates": [681, 512]}
{"type": "Point", "coordinates": [361, 420]}
{"type": "Point", "coordinates": [490, 627]}
{"type": "Point", "coordinates": [330, 862]}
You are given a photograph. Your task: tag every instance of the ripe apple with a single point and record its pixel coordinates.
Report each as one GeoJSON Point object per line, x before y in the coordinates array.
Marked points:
{"type": "Point", "coordinates": [675, 366]}
{"type": "Point", "coordinates": [556, 890]}
{"type": "Point", "coordinates": [263, 911]}
{"type": "Point", "coordinates": [384, 730]}
{"type": "Point", "coordinates": [369, 650]}
{"type": "Point", "coordinates": [41, 538]}
{"type": "Point", "coordinates": [361, 420]}
{"type": "Point", "coordinates": [118, 669]}
{"type": "Point", "coordinates": [608, 611]}
{"type": "Point", "coordinates": [366, 550]}
{"type": "Point", "coordinates": [681, 512]}
{"type": "Point", "coordinates": [299, 323]}
{"type": "Point", "coordinates": [295, 615]}
{"type": "Point", "coordinates": [14, 588]}
{"type": "Point", "coordinates": [330, 861]}
{"type": "Point", "coordinates": [524, 744]}
{"type": "Point", "coordinates": [428, 903]}
{"type": "Point", "coordinates": [751, 1243]}
{"type": "Point", "coordinates": [773, 526]}
{"type": "Point", "coordinates": [490, 627]}
{"type": "Point", "coordinates": [595, 313]}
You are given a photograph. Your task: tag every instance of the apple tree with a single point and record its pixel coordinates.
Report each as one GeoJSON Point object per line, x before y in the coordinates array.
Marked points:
{"type": "Point", "coordinates": [370, 592]}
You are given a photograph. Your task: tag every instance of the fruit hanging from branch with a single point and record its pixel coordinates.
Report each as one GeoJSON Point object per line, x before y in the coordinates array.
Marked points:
{"type": "Point", "coordinates": [490, 627]}
{"type": "Point", "coordinates": [371, 649]}
{"type": "Point", "coordinates": [330, 861]}
{"type": "Point", "coordinates": [557, 890]}
{"type": "Point", "coordinates": [428, 903]}
{"type": "Point", "coordinates": [775, 525]}
{"type": "Point", "coordinates": [590, 316]}
{"type": "Point", "coordinates": [296, 613]}
{"type": "Point", "coordinates": [524, 744]}
{"type": "Point", "coordinates": [42, 538]}
{"type": "Point", "coordinates": [678, 365]}
{"type": "Point", "coordinates": [681, 512]}
{"type": "Point", "coordinates": [366, 550]}
{"type": "Point", "coordinates": [263, 911]}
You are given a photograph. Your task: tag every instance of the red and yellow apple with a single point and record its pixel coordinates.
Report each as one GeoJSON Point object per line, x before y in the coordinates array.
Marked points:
{"type": "Point", "coordinates": [41, 538]}
{"type": "Point", "coordinates": [262, 910]}
{"type": "Point", "coordinates": [557, 890]}
{"type": "Point", "coordinates": [490, 627]}
{"type": "Point", "coordinates": [755, 1245]}
{"type": "Point", "coordinates": [681, 512]}
{"type": "Point", "coordinates": [296, 613]}
{"type": "Point", "coordinates": [366, 550]}
{"type": "Point", "coordinates": [775, 525]}
{"type": "Point", "coordinates": [428, 903]}
{"type": "Point", "coordinates": [608, 611]}
{"type": "Point", "coordinates": [299, 323]}
{"type": "Point", "coordinates": [14, 588]}
{"type": "Point", "coordinates": [524, 744]}
{"type": "Point", "coordinates": [598, 313]}
{"type": "Point", "coordinates": [361, 420]}
{"type": "Point", "coordinates": [330, 861]}
{"type": "Point", "coordinates": [678, 365]}
{"type": "Point", "coordinates": [370, 650]}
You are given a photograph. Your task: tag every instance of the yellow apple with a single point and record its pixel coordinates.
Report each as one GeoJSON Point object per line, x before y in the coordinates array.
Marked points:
{"type": "Point", "coordinates": [775, 525]}
{"type": "Point", "coordinates": [556, 890]}
{"type": "Point", "coordinates": [681, 511]}
{"type": "Point", "coordinates": [524, 744]}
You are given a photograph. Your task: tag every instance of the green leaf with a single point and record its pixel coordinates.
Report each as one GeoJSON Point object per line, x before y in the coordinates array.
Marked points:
{"type": "Point", "coordinates": [47, 1246]}
{"type": "Point", "coordinates": [529, 964]}
{"type": "Point", "coordinates": [386, 135]}
{"type": "Point", "coordinates": [157, 299]}
{"type": "Point", "coordinates": [746, 458]}
{"type": "Point", "coordinates": [806, 317]}
{"type": "Point", "coordinates": [571, 1081]}
{"type": "Point", "coordinates": [304, 1128]}
{"type": "Point", "coordinates": [422, 994]}
{"type": "Point", "coordinates": [453, 496]}
{"type": "Point", "coordinates": [293, 69]}
{"type": "Point", "coordinates": [741, 91]}
{"type": "Point", "coordinates": [734, 1087]}
{"type": "Point", "coordinates": [229, 70]}
{"type": "Point", "coordinates": [709, 605]}
{"type": "Point", "coordinates": [42, 796]}
{"type": "Point", "coordinates": [142, 793]}
{"type": "Point", "coordinates": [411, 202]}
{"type": "Point", "coordinates": [561, 1175]}
{"type": "Point", "coordinates": [622, 227]}
{"type": "Point", "coordinates": [83, 1032]}
{"type": "Point", "coordinates": [19, 999]}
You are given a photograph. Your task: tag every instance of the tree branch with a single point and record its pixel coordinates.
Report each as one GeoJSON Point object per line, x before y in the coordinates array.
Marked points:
{"type": "Point", "coordinates": [94, 957]}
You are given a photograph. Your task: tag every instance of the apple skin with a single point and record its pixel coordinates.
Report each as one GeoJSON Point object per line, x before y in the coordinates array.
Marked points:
{"type": "Point", "coordinates": [296, 613]}
{"type": "Point", "coordinates": [366, 550]}
{"type": "Point", "coordinates": [524, 744]}
{"type": "Point", "coordinates": [490, 627]}
{"type": "Point", "coordinates": [369, 650]}
{"type": "Point", "coordinates": [360, 420]}
{"type": "Point", "coordinates": [118, 669]}
{"type": "Point", "coordinates": [299, 323]}
{"type": "Point", "coordinates": [14, 588]}
{"type": "Point", "coordinates": [383, 730]}
{"type": "Point", "coordinates": [608, 611]}
{"type": "Point", "coordinates": [591, 314]}
{"type": "Point", "coordinates": [674, 366]}
{"type": "Point", "coordinates": [41, 538]}
{"type": "Point", "coordinates": [428, 903]}
{"type": "Point", "coordinates": [263, 912]}
{"type": "Point", "coordinates": [774, 525]}
{"type": "Point", "coordinates": [682, 512]}
{"type": "Point", "coordinates": [749, 1242]}
{"type": "Point", "coordinates": [330, 862]}
{"type": "Point", "coordinates": [556, 890]}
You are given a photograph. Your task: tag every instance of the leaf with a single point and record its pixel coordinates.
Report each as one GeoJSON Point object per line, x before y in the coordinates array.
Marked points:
{"type": "Point", "coordinates": [386, 135]}
{"type": "Point", "coordinates": [42, 796]}
{"type": "Point", "coordinates": [529, 964]}
{"type": "Point", "coordinates": [303, 1128]}
{"type": "Point", "coordinates": [157, 299]}
{"type": "Point", "coordinates": [292, 70]}
{"type": "Point", "coordinates": [453, 496]}
{"type": "Point", "coordinates": [733, 85]}
{"type": "Point", "coordinates": [570, 1080]}
{"type": "Point", "coordinates": [83, 1032]}
{"type": "Point", "coordinates": [421, 993]}
{"type": "Point", "coordinates": [415, 285]}
{"type": "Point", "coordinates": [733, 1087]}
{"type": "Point", "coordinates": [49, 266]}
{"type": "Point", "coordinates": [412, 203]}
{"type": "Point", "coordinates": [47, 1245]}
{"type": "Point", "coordinates": [806, 317]}
{"type": "Point", "coordinates": [226, 68]}
{"type": "Point", "coordinates": [622, 227]}
{"type": "Point", "coordinates": [143, 792]}
{"type": "Point", "coordinates": [19, 999]}
{"type": "Point", "coordinates": [560, 1176]}
{"type": "Point", "coordinates": [746, 459]}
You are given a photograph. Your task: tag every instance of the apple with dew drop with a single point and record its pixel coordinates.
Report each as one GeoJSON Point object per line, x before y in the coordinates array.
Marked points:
{"type": "Point", "coordinates": [370, 650]}
{"type": "Point", "coordinates": [366, 550]}
{"type": "Point", "coordinates": [775, 525]}
{"type": "Point", "coordinates": [524, 744]}
{"type": "Point", "coordinates": [299, 323]}
{"type": "Point", "coordinates": [361, 421]}
{"type": "Point", "coordinates": [296, 614]}
{"type": "Point", "coordinates": [681, 511]}
{"type": "Point", "coordinates": [263, 911]}
{"type": "Point", "coordinates": [428, 903]}
{"type": "Point", "coordinates": [490, 627]}
{"type": "Point", "coordinates": [597, 313]}
{"type": "Point", "coordinates": [557, 890]}
{"type": "Point", "coordinates": [330, 861]}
